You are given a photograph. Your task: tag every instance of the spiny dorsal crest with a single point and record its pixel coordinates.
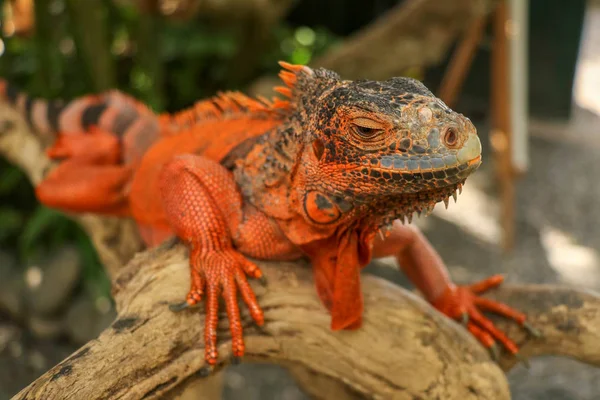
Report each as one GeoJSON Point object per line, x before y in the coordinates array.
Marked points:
{"type": "Point", "coordinates": [231, 105]}
{"type": "Point", "coordinates": [224, 105]}
{"type": "Point", "coordinates": [303, 85]}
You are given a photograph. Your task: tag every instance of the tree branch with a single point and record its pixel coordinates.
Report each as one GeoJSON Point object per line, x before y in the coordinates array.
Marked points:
{"type": "Point", "coordinates": [405, 348]}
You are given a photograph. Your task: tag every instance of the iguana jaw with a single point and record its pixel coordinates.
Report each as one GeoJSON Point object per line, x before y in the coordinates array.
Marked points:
{"type": "Point", "coordinates": [405, 206]}
{"type": "Point", "coordinates": [375, 194]}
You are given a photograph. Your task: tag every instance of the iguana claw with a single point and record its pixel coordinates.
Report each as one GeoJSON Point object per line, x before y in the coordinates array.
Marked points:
{"type": "Point", "coordinates": [205, 371]}
{"type": "Point", "coordinates": [177, 307]}
{"type": "Point", "coordinates": [495, 352]}
{"type": "Point", "coordinates": [263, 280]}
{"type": "Point", "coordinates": [523, 360]}
{"type": "Point", "coordinates": [236, 360]}
{"type": "Point", "coordinates": [464, 303]}
{"type": "Point", "coordinates": [536, 333]}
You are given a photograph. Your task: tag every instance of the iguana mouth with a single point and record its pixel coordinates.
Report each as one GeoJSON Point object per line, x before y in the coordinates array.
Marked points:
{"type": "Point", "coordinates": [474, 161]}
{"type": "Point", "coordinates": [416, 179]}
{"type": "Point", "coordinates": [421, 203]}
{"type": "Point", "coordinates": [425, 201]}
{"type": "Point", "coordinates": [419, 193]}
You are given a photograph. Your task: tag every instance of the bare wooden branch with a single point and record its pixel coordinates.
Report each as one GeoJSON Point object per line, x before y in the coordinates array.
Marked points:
{"type": "Point", "coordinates": [404, 350]}
{"type": "Point", "coordinates": [415, 34]}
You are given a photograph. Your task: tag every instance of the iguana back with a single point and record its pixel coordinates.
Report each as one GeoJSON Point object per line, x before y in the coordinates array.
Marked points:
{"type": "Point", "coordinates": [222, 128]}
{"type": "Point", "coordinates": [112, 147]}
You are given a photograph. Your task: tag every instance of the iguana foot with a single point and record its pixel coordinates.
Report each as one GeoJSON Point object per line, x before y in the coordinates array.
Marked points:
{"type": "Point", "coordinates": [221, 273]}
{"type": "Point", "coordinates": [463, 303]}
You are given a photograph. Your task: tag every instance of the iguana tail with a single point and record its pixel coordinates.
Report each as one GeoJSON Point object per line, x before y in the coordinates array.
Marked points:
{"type": "Point", "coordinates": [113, 112]}
{"type": "Point", "coordinates": [42, 115]}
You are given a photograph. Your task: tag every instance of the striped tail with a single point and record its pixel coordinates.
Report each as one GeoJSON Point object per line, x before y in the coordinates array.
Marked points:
{"type": "Point", "coordinates": [42, 115]}
{"type": "Point", "coordinates": [112, 112]}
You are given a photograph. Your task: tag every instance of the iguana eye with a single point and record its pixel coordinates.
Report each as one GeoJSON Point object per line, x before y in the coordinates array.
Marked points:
{"type": "Point", "coordinates": [366, 132]}
{"type": "Point", "coordinates": [366, 128]}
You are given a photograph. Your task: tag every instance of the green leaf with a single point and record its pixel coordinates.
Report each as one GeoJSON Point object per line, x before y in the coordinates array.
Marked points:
{"type": "Point", "coordinates": [305, 36]}
{"type": "Point", "coordinates": [10, 222]}
{"type": "Point", "coordinates": [42, 222]}
{"type": "Point", "coordinates": [301, 56]}
{"type": "Point", "coordinates": [10, 179]}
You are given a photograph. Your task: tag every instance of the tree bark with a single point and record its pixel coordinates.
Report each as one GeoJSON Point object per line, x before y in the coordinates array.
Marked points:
{"type": "Point", "coordinates": [405, 348]}
{"type": "Point", "coordinates": [92, 36]}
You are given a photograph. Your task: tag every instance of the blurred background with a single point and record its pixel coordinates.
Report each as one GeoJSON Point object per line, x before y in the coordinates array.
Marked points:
{"type": "Point", "coordinates": [526, 72]}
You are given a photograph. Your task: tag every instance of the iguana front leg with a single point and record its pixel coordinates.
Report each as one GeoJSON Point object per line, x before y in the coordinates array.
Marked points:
{"type": "Point", "coordinates": [205, 209]}
{"type": "Point", "coordinates": [424, 267]}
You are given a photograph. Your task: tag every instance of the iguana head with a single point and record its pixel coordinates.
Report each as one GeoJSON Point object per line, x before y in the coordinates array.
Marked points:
{"type": "Point", "coordinates": [377, 150]}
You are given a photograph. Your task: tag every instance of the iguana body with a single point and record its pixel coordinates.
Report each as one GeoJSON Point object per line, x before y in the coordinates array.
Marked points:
{"type": "Point", "coordinates": [318, 175]}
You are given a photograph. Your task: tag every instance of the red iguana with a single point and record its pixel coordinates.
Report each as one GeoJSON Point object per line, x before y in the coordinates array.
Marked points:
{"type": "Point", "coordinates": [317, 175]}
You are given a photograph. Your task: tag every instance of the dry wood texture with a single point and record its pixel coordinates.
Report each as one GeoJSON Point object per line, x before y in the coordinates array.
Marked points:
{"type": "Point", "coordinates": [405, 349]}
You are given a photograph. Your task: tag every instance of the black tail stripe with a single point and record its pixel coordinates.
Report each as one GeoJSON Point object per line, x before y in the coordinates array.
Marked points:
{"type": "Point", "coordinates": [12, 92]}
{"type": "Point", "coordinates": [123, 122]}
{"type": "Point", "coordinates": [53, 114]}
{"type": "Point", "coordinates": [27, 110]}
{"type": "Point", "coordinates": [91, 115]}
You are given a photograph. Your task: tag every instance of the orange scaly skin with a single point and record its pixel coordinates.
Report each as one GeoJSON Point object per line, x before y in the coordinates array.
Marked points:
{"type": "Point", "coordinates": [317, 176]}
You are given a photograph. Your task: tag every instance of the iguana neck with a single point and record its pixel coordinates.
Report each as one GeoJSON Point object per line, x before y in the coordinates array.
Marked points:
{"type": "Point", "coordinates": [266, 172]}
{"type": "Point", "coordinates": [274, 177]}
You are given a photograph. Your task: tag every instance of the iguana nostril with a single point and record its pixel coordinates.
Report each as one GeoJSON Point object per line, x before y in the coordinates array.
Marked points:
{"type": "Point", "coordinates": [451, 136]}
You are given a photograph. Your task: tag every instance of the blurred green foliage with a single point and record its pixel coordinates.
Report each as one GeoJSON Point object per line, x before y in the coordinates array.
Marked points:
{"type": "Point", "coordinates": [81, 47]}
